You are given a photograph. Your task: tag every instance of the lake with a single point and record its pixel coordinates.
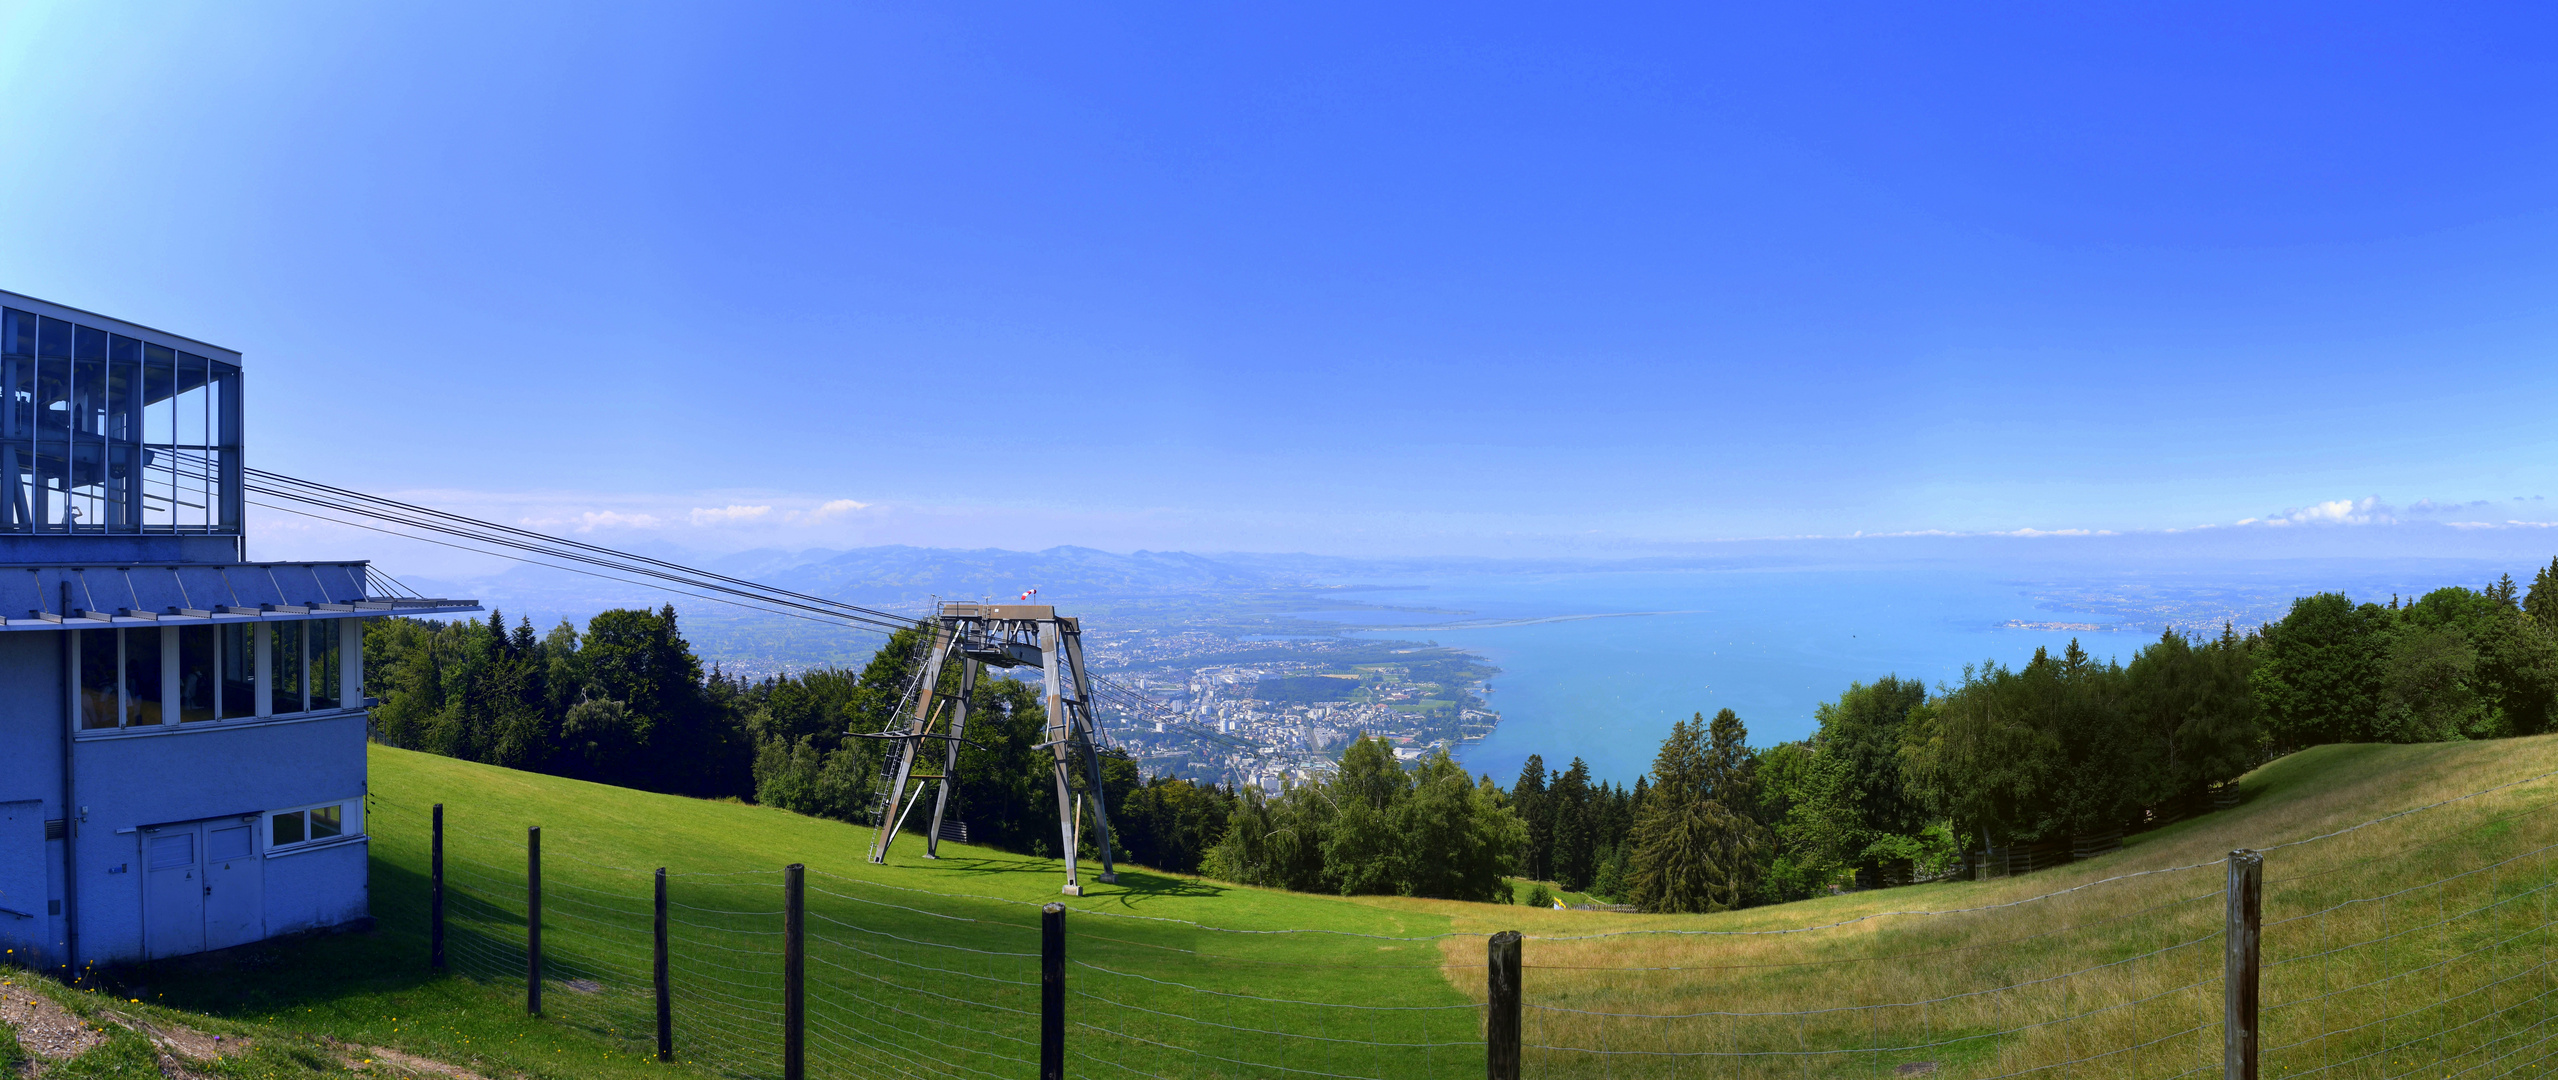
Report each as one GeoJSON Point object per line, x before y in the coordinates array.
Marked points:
{"type": "Point", "coordinates": [1772, 642]}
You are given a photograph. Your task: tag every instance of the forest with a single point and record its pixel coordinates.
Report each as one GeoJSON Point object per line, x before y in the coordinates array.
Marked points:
{"type": "Point", "coordinates": [1896, 783]}
{"type": "Point", "coordinates": [626, 702]}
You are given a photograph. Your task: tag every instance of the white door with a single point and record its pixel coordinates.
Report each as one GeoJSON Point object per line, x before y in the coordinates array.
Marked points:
{"type": "Point", "coordinates": [235, 880]}
{"type": "Point", "coordinates": [173, 893]}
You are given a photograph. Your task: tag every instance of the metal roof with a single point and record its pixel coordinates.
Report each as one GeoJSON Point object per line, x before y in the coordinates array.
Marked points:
{"type": "Point", "coordinates": [114, 325]}
{"type": "Point", "coordinates": [158, 594]}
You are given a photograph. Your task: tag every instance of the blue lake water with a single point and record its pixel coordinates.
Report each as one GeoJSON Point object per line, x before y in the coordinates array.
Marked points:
{"type": "Point", "coordinates": [1769, 644]}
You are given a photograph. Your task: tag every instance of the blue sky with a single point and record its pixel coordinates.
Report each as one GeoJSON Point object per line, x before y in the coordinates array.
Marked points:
{"type": "Point", "coordinates": [1358, 279]}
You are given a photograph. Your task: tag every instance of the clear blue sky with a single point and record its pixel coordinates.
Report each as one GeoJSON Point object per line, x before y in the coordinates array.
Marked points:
{"type": "Point", "coordinates": [1358, 279]}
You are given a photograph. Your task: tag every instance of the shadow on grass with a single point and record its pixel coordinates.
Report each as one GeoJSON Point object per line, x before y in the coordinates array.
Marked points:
{"type": "Point", "coordinates": [299, 970]}
{"type": "Point", "coordinates": [1134, 885]}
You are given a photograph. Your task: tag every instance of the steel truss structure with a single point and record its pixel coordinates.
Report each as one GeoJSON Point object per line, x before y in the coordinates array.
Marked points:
{"type": "Point", "coordinates": [1004, 636]}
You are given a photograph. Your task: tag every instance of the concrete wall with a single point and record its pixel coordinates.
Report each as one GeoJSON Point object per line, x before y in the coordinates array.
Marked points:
{"type": "Point", "coordinates": [126, 781]}
{"type": "Point", "coordinates": [309, 889]}
{"type": "Point", "coordinates": [31, 724]}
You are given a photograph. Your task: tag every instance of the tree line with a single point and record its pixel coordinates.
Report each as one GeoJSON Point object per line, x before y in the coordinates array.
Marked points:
{"type": "Point", "coordinates": [1373, 826]}
{"type": "Point", "coordinates": [627, 702]}
{"type": "Point", "coordinates": [1896, 780]}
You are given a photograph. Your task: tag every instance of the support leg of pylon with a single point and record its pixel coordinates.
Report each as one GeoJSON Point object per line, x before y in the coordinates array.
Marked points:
{"type": "Point", "coordinates": [950, 752]}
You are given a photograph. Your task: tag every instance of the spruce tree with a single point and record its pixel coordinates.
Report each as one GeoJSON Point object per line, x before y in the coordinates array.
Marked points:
{"type": "Point", "coordinates": [1530, 801]}
{"type": "Point", "coordinates": [2541, 603]}
{"type": "Point", "coordinates": [1732, 780]}
{"type": "Point", "coordinates": [1575, 842]}
{"type": "Point", "coordinates": [1673, 862]}
{"type": "Point", "coordinates": [1695, 846]}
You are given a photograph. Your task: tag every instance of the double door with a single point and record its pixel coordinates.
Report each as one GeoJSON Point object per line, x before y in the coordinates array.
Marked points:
{"type": "Point", "coordinates": [204, 886]}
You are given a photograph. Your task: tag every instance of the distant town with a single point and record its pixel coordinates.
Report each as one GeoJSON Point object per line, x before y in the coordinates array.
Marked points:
{"type": "Point", "coordinates": [1264, 712]}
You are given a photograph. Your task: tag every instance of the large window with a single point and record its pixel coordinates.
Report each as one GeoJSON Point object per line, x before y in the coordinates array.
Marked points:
{"type": "Point", "coordinates": [288, 666]}
{"type": "Point", "coordinates": [142, 676]}
{"type": "Point", "coordinates": [198, 668]}
{"type": "Point", "coordinates": [238, 662]}
{"type": "Point", "coordinates": [148, 676]}
{"type": "Point", "coordinates": [97, 668]}
{"type": "Point", "coordinates": [321, 637]}
{"type": "Point", "coordinates": [104, 433]}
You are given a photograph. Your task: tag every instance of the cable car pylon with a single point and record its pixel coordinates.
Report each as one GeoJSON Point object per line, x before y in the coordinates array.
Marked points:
{"type": "Point", "coordinates": [1004, 636]}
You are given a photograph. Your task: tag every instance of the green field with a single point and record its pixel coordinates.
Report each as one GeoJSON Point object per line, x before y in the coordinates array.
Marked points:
{"type": "Point", "coordinates": [2438, 954]}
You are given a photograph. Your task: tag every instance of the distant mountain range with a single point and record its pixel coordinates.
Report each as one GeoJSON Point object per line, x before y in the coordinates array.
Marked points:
{"type": "Point", "coordinates": [912, 574]}
{"type": "Point", "coordinates": [1136, 588]}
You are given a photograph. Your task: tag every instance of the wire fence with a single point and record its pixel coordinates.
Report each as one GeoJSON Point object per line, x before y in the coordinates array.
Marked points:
{"type": "Point", "coordinates": [2418, 947]}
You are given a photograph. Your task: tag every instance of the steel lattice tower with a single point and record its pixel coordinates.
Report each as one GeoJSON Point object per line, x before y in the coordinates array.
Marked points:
{"type": "Point", "coordinates": [997, 635]}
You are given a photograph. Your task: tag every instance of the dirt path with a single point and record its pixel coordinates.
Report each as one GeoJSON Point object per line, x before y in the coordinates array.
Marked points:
{"type": "Point", "coordinates": [53, 1034]}
{"type": "Point", "coordinates": [47, 1030]}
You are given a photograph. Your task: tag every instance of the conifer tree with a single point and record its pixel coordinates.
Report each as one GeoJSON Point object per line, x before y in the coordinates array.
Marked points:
{"type": "Point", "coordinates": [1530, 802]}
{"type": "Point", "coordinates": [1732, 781]}
{"type": "Point", "coordinates": [1695, 848]}
{"type": "Point", "coordinates": [2541, 603]}
{"type": "Point", "coordinates": [1575, 839]}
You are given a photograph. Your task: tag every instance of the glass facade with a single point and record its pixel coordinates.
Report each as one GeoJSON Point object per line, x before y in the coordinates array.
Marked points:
{"type": "Point", "coordinates": [287, 665]}
{"type": "Point", "coordinates": [238, 662]}
{"type": "Point", "coordinates": [96, 662]}
{"type": "Point", "coordinates": [104, 433]}
{"type": "Point", "coordinates": [142, 676]}
{"type": "Point", "coordinates": [122, 676]}
{"type": "Point", "coordinates": [322, 638]}
{"type": "Point", "coordinates": [197, 663]}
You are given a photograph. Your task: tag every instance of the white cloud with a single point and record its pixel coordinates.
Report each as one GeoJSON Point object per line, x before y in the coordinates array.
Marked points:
{"type": "Point", "coordinates": [730, 515]}
{"type": "Point", "coordinates": [2368, 511]}
{"type": "Point", "coordinates": [835, 509]}
{"type": "Point", "coordinates": [592, 520]}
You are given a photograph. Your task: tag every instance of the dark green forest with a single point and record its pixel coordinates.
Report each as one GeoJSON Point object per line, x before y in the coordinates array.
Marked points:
{"type": "Point", "coordinates": [1897, 782]}
{"type": "Point", "coordinates": [626, 702]}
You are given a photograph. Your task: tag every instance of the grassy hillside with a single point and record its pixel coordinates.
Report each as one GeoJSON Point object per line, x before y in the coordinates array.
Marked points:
{"type": "Point", "coordinates": [929, 967]}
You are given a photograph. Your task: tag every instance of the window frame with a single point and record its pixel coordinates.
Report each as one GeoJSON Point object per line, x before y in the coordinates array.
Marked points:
{"type": "Point", "coordinates": [180, 486]}
{"type": "Point", "coordinates": [116, 702]}
{"type": "Point", "coordinates": [350, 825]}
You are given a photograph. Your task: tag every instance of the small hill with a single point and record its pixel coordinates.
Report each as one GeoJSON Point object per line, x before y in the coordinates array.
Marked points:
{"type": "Point", "coordinates": [2420, 936]}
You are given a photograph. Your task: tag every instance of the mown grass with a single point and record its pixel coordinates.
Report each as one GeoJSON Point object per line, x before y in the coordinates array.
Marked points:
{"type": "Point", "coordinates": [903, 980]}
{"type": "Point", "coordinates": [928, 968]}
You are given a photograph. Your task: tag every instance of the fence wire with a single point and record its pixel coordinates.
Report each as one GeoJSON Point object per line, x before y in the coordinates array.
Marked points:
{"type": "Point", "coordinates": [2364, 975]}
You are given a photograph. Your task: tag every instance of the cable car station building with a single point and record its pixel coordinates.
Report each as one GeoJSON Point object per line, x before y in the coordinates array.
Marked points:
{"type": "Point", "coordinates": [182, 731]}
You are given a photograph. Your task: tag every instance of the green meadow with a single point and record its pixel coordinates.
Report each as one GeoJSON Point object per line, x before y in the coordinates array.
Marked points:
{"type": "Point", "coordinates": [2422, 938]}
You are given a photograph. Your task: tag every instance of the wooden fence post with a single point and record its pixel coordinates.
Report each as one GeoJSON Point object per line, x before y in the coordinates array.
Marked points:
{"type": "Point", "coordinates": [794, 973]}
{"type": "Point", "coordinates": [533, 920]}
{"type": "Point", "coordinates": [2240, 967]}
{"type": "Point", "coordinates": [1052, 992]}
{"type": "Point", "coordinates": [435, 896]}
{"type": "Point", "coordinates": [1501, 1015]}
{"type": "Point", "coordinates": [665, 999]}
